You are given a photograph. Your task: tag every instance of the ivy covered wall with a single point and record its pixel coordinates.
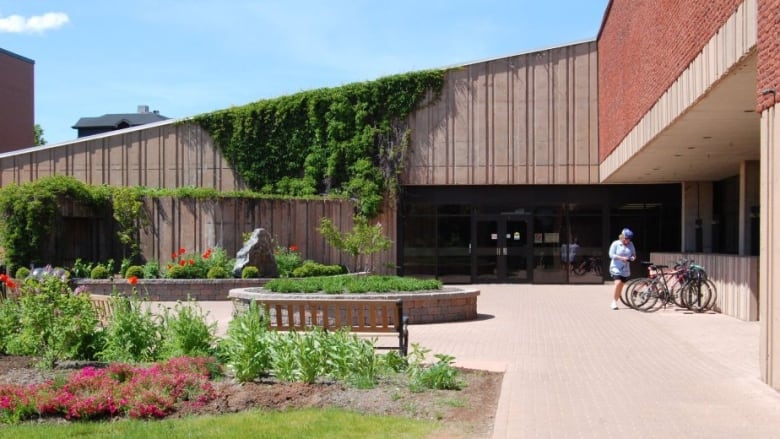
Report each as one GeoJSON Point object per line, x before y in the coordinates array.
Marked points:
{"type": "Point", "coordinates": [349, 140]}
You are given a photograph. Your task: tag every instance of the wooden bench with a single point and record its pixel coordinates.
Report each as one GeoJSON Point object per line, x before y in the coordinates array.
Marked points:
{"type": "Point", "coordinates": [104, 306]}
{"type": "Point", "coordinates": [361, 316]}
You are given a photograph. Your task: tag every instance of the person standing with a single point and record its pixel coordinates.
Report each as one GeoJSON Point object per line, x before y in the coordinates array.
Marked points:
{"type": "Point", "coordinates": [621, 253]}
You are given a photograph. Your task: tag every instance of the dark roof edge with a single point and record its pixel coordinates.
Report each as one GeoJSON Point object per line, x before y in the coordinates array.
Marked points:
{"type": "Point", "coordinates": [17, 56]}
{"type": "Point", "coordinates": [604, 19]}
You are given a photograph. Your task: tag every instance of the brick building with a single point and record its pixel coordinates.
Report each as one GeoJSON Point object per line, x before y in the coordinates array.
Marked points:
{"type": "Point", "coordinates": [17, 107]}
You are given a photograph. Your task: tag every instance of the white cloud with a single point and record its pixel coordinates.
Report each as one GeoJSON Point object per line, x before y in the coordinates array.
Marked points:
{"type": "Point", "coordinates": [34, 24]}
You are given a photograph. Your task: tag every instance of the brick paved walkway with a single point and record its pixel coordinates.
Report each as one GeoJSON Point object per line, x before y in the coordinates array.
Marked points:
{"type": "Point", "coordinates": [576, 369]}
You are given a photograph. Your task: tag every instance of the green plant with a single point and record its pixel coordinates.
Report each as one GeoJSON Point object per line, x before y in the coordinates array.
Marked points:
{"type": "Point", "coordinates": [99, 272]}
{"type": "Point", "coordinates": [246, 346]}
{"type": "Point", "coordinates": [176, 272]}
{"type": "Point", "coordinates": [135, 270]}
{"type": "Point", "coordinates": [250, 272]}
{"type": "Point", "coordinates": [287, 259]}
{"type": "Point", "coordinates": [30, 213]}
{"type": "Point", "coordinates": [54, 324]}
{"type": "Point", "coordinates": [363, 240]}
{"type": "Point", "coordinates": [349, 140]}
{"type": "Point", "coordinates": [441, 375]}
{"type": "Point", "coordinates": [10, 321]}
{"type": "Point", "coordinates": [186, 332]}
{"type": "Point", "coordinates": [22, 273]}
{"type": "Point", "coordinates": [133, 334]}
{"type": "Point", "coordinates": [151, 270]}
{"type": "Point", "coordinates": [129, 215]}
{"type": "Point", "coordinates": [311, 268]}
{"type": "Point", "coordinates": [351, 284]}
{"type": "Point", "coordinates": [196, 265]}
{"type": "Point", "coordinates": [217, 272]}
{"type": "Point", "coordinates": [81, 269]}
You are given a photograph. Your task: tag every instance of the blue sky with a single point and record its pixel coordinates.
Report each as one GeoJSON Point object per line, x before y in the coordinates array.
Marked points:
{"type": "Point", "coordinates": [184, 58]}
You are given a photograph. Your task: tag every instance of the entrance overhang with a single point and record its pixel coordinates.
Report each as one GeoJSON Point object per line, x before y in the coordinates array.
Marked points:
{"type": "Point", "coordinates": [706, 142]}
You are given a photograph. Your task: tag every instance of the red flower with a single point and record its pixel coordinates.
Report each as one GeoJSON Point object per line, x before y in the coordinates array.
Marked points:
{"type": "Point", "coordinates": [206, 254]}
{"type": "Point", "coordinates": [174, 255]}
{"type": "Point", "coordinates": [10, 284]}
{"type": "Point", "coordinates": [182, 262]}
{"type": "Point", "coordinates": [181, 250]}
{"type": "Point", "coordinates": [3, 277]}
{"type": "Point", "coordinates": [132, 280]}
{"type": "Point", "coordinates": [293, 248]}
{"type": "Point", "coordinates": [192, 261]}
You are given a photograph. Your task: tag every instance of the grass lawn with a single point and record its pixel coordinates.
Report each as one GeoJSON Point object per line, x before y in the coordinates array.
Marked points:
{"type": "Point", "coordinates": [293, 424]}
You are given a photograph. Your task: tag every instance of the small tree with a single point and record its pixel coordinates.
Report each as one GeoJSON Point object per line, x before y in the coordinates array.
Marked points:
{"type": "Point", "coordinates": [38, 135]}
{"type": "Point", "coordinates": [363, 240]}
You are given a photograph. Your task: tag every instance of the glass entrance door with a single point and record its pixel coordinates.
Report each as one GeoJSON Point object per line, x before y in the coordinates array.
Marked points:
{"type": "Point", "coordinates": [502, 249]}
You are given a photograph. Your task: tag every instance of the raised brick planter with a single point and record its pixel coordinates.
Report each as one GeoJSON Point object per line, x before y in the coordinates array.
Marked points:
{"type": "Point", "coordinates": [170, 289]}
{"type": "Point", "coordinates": [448, 305]}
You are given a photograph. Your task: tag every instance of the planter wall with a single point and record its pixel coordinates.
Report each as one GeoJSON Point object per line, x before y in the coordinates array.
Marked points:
{"type": "Point", "coordinates": [170, 290]}
{"type": "Point", "coordinates": [448, 305]}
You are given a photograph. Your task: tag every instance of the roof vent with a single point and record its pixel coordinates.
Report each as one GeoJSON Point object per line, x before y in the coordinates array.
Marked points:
{"type": "Point", "coordinates": [143, 108]}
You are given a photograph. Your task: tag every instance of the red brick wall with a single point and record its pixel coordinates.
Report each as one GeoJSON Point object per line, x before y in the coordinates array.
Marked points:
{"type": "Point", "coordinates": [643, 47]}
{"type": "Point", "coordinates": [768, 69]}
{"type": "Point", "coordinates": [17, 111]}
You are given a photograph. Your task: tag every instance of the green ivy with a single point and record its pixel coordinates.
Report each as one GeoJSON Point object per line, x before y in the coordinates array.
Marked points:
{"type": "Point", "coordinates": [347, 140]}
{"type": "Point", "coordinates": [29, 212]}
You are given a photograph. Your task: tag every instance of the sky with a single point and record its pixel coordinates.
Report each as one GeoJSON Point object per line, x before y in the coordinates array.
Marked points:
{"type": "Point", "coordinates": [183, 58]}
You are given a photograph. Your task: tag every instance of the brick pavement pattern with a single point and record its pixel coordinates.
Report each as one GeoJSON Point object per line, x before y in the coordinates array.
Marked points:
{"type": "Point", "coordinates": [574, 368]}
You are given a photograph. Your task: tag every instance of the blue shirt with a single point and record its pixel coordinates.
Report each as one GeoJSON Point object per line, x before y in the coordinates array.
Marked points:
{"type": "Point", "coordinates": [619, 267]}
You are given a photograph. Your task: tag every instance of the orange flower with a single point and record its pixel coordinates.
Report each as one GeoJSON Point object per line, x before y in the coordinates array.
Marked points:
{"type": "Point", "coordinates": [192, 261]}
{"type": "Point", "coordinates": [132, 280]}
{"type": "Point", "coordinates": [293, 248]}
{"type": "Point", "coordinates": [10, 284]}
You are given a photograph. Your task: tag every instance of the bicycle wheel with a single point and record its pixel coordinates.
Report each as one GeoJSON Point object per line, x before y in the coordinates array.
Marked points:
{"type": "Point", "coordinates": [579, 270]}
{"type": "Point", "coordinates": [696, 296]}
{"type": "Point", "coordinates": [627, 290]}
{"type": "Point", "coordinates": [645, 294]}
{"type": "Point", "coordinates": [713, 294]}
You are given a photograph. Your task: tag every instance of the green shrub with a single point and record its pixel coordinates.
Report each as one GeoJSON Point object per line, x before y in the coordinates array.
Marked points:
{"type": "Point", "coordinates": [10, 322]}
{"type": "Point", "coordinates": [151, 270]}
{"type": "Point", "coordinates": [99, 272]}
{"type": "Point", "coordinates": [133, 334]}
{"type": "Point", "coordinates": [311, 268]}
{"type": "Point", "coordinates": [197, 265]}
{"type": "Point", "coordinates": [246, 348]}
{"type": "Point", "coordinates": [250, 272]}
{"type": "Point", "coordinates": [287, 260]}
{"type": "Point", "coordinates": [352, 284]}
{"type": "Point", "coordinates": [54, 323]}
{"type": "Point", "coordinates": [186, 332]}
{"type": "Point", "coordinates": [22, 273]}
{"type": "Point", "coordinates": [135, 270]}
{"type": "Point", "coordinates": [176, 272]}
{"type": "Point", "coordinates": [217, 272]}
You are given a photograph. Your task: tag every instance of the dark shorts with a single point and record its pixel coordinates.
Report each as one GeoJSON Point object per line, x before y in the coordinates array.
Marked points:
{"type": "Point", "coordinates": [618, 277]}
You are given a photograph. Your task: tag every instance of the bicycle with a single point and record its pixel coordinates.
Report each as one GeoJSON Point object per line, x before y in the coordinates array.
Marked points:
{"type": "Point", "coordinates": [589, 263]}
{"type": "Point", "coordinates": [686, 286]}
{"type": "Point", "coordinates": [645, 293]}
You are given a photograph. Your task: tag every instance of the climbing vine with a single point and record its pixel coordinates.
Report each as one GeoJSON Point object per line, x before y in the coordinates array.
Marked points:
{"type": "Point", "coordinates": [30, 212]}
{"type": "Point", "coordinates": [347, 140]}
